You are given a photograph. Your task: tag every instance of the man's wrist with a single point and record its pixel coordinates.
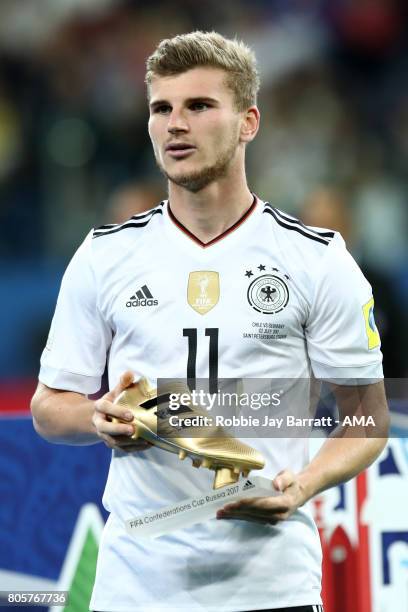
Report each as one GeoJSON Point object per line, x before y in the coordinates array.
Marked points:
{"type": "Point", "coordinates": [307, 485]}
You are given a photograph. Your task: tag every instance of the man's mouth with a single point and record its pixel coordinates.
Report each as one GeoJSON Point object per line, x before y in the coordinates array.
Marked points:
{"type": "Point", "coordinates": [179, 149]}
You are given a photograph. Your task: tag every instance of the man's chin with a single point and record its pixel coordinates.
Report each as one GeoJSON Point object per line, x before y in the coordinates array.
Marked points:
{"type": "Point", "coordinates": [195, 180]}
{"type": "Point", "coordinates": [192, 181]}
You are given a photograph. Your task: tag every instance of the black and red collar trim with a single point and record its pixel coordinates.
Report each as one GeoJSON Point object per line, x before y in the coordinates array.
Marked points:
{"type": "Point", "coordinates": [217, 238]}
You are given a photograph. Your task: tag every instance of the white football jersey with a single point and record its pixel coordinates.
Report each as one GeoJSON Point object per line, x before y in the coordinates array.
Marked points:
{"type": "Point", "coordinates": [270, 298]}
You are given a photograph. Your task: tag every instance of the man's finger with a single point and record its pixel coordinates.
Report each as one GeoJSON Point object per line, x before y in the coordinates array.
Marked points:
{"type": "Point", "coordinates": [123, 441]}
{"type": "Point", "coordinates": [261, 520]}
{"type": "Point", "coordinates": [264, 510]}
{"type": "Point", "coordinates": [135, 448]}
{"type": "Point", "coordinates": [105, 407]}
{"type": "Point", "coordinates": [104, 425]}
{"type": "Point", "coordinates": [283, 480]}
{"type": "Point", "coordinates": [114, 429]}
{"type": "Point", "coordinates": [126, 380]}
{"type": "Point", "coordinates": [261, 504]}
{"type": "Point", "coordinates": [125, 444]}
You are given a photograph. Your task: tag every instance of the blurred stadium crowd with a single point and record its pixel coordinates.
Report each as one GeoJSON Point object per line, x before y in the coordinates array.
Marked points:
{"type": "Point", "coordinates": [74, 149]}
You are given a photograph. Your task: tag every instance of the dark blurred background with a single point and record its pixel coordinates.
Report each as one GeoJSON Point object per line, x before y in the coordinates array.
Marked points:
{"type": "Point", "coordinates": [74, 149]}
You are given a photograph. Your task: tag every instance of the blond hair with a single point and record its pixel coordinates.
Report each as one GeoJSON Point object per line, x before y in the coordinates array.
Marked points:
{"type": "Point", "coordinates": [208, 49]}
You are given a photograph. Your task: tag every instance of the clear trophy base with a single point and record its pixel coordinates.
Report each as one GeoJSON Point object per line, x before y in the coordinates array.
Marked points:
{"type": "Point", "coordinates": [197, 509]}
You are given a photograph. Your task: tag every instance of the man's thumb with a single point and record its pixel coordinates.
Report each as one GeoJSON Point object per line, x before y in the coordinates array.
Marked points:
{"type": "Point", "coordinates": [125, 380]}
{"type": "Point", "coordinates": [283, 480]}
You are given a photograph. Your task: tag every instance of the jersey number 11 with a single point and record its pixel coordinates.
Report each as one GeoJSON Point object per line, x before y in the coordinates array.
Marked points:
{"type": "Point", "coordinates": [192, 334]}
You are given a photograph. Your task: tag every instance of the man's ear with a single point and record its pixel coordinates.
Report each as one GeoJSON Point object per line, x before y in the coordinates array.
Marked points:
{"type": "Point", "coordinates": [250, 124]}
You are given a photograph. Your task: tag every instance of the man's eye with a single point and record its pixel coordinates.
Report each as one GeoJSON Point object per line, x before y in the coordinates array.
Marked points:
{"type": "Point", "coordinates": [162, 110]}
{"type": "Point", "coordinates": [198, 106]}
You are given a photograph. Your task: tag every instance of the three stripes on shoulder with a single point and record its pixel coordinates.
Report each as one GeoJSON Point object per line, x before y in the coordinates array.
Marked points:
{"type": "Point", "coordinates": [291, 223]}
{"type": "Point", "coordinates": [136, 221]}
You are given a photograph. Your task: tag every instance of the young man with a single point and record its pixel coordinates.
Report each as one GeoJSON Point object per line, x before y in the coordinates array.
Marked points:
{"type": "Point", "coordinates": [127, 297]}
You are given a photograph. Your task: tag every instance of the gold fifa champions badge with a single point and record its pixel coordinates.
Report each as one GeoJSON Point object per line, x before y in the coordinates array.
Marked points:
{"type": "Point", "coordinates": [203, 291]}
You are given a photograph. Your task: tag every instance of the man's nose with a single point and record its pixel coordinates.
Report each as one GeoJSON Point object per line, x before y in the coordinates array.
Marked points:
{"type": "Point", "coordinates": [177, 122]}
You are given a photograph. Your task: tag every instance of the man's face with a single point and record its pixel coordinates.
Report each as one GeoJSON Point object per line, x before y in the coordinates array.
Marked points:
{"type": "Point", "coordinates": [194, 126]}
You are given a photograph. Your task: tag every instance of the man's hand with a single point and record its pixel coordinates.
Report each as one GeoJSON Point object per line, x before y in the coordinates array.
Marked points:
{"type": "Point", "coordinates": [116, 435]}
{"type": "Point", "coordinates": [268, 510]}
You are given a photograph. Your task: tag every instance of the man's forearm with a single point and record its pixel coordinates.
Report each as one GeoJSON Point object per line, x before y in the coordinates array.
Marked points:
{"type": "Point", "coordinates": [338, 460]}
{"type": "Point", "coordinates": [63, 417]}
{"type": "Point", "coordinates": [351, 449]}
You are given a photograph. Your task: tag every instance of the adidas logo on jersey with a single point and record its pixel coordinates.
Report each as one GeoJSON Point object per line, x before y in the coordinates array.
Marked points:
{"type": "Point", "coordinates": [142, 297]}
{"type": "Point", "coordinates": [248, 485]}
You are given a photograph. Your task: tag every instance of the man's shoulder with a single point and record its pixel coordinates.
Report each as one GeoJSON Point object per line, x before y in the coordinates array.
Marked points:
{"type": "Point", "coordinates": [135, 225]}
{"type": "Point", "coordinates": [304, 244]}
{"type": "Point", "coordinates": [294, 230]}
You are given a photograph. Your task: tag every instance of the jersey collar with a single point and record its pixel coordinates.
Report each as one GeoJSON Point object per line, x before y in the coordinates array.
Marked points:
{"type": "Point", "coordinates": [221, 236]}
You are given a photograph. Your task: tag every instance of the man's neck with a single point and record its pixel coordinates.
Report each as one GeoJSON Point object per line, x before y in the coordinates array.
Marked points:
{"type": "Point", "coordinates": [211, 211]}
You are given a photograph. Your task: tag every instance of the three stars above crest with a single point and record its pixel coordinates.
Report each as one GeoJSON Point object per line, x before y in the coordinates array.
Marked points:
{"type": "Point", "coordinates": [262, 268]}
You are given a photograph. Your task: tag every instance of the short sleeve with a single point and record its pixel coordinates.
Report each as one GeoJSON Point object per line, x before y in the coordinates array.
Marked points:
{"type": "Point", "coordinates": [75, 355]}
{"type": "Point", "coordinates": [342, 339]}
